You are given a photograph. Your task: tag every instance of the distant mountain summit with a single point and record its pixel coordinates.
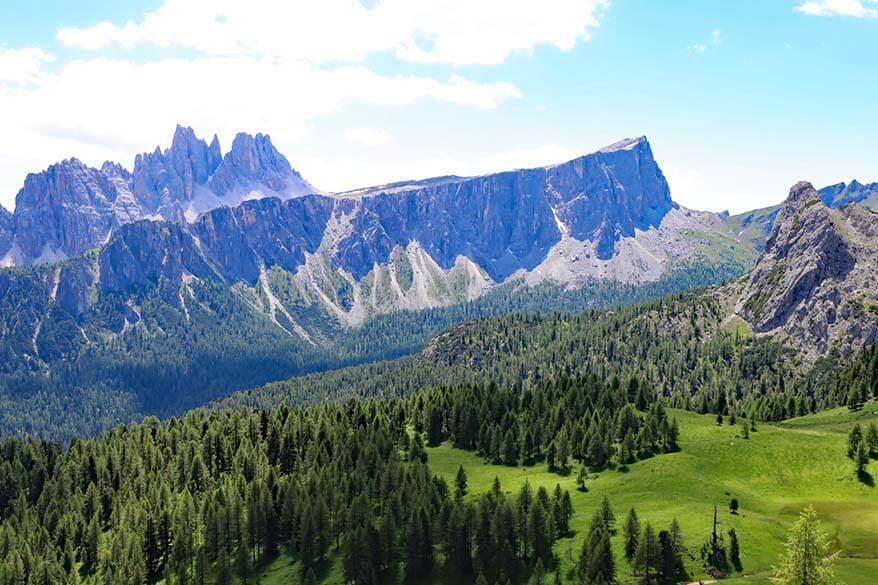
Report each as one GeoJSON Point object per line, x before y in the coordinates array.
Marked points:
{"type": "Point", "coordinates": [71, 207]}
{"type": "Point", "coordinates": [815, 282]}
{"type": "Point", "coordinates": [842, 194]}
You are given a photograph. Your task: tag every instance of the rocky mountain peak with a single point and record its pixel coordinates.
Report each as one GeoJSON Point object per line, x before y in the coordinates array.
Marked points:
{"type": "Point", "coordinates": [815, 274]}
{"type": "Point", "coordinates": [626, 144]}
{"type": "Point", "coordinates": [842, 194]}
{"type": "Point", "coordinates": [802, 193]}
{"type": "Point", "coordinates": [253, 160]}
{"type": "Point", "coordinates": [610, 194]}
{"type": "Point", "coordinates": [71, 207]}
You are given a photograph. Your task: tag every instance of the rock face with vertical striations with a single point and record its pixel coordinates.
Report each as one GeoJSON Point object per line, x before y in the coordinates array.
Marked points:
{"type": "Point", "coordinates": [507, 222]}
{"type": "Point", "coordinates": [187, 220]}
{"type": "Point", "coordinates": [6, 226]}
{"type": "Point", "coordinates": [815, 282]}
{"type": "Point", "coordinates": [67, 209]}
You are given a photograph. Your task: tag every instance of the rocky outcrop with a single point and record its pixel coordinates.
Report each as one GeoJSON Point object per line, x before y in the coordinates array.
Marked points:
{"type": "Point", "coordinates": [254, 163]}
{"type": "Point", "coordinates": [164, 180]}
{"type": "Point", "coordinates": [71, 207]}
{"type": "Point", "coordinates": [815, 281]}
{"type": "Point", "coordinates": [6, 225]}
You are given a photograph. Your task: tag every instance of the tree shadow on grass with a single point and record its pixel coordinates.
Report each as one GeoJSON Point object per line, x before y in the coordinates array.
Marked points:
{"type": "Point", "coordinates": [866, 478]}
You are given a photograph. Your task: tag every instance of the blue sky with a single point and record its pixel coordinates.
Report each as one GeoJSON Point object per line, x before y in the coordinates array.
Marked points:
{"type": "Point", "coordinates": [739, 99]}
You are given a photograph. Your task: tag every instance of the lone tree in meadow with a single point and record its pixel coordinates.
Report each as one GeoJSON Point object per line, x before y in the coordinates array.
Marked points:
{"type": "Point", "coordinates": [861, 459]}
{"type": "Point", "coordinates": [807, 560]}
{"type": "Point", "coordinates": [855, 437]}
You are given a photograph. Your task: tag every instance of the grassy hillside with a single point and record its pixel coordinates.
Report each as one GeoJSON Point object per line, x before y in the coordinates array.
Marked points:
{"type": "Point", "coordinates": [774, 474]}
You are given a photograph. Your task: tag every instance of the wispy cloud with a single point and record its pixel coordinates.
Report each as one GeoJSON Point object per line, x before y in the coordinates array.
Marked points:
{"type": "Point", "coordinates": [853, 8]}
{"type": "Point", "coordinates": [20, 66]}
{"type": "Point", "coordinates": [715, 39]}
{"type": "Point", "coordinates": [456, 32]}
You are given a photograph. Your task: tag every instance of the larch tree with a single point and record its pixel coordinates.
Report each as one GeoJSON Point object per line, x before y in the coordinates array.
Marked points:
{"type": "Point", "coordinates": [807, 560]}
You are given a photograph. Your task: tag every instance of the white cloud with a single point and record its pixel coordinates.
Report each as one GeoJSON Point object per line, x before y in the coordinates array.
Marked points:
{"type": "Point", "coordinates": [697, 47]}
{"type": "Point", "coordinates": [856, 8]}
{"type": "Point", "coordinates": [455, 32]}
{"type": "Point", "coordinates": [367, 136]}
{"type": "Point", "coordinates": [260, 65]}
{"type": "Point", "coordinates": [21, 66]}
{"type": "Point", "coordinates": [102, 108]}
{"type": "Point", "coordinates": [715, 36]}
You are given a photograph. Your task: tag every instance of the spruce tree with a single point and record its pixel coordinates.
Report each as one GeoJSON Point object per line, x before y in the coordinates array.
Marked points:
{"type": "Point", "coordinates": [734, 549]}
{"type": "Point", "coordinates": [855, 437]}
{"type": "Point", "coordinates": [648, 554]}
{"type": "Point", "coordinates": [460, 483]}
{"type": "Point", "coordinates": [631, 534]}
{"type": "Point", "coordinates": [606, 511]}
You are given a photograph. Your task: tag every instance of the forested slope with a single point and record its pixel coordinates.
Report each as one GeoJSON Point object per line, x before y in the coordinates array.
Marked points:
{"type": "Point", "coordinates": [684, 348]}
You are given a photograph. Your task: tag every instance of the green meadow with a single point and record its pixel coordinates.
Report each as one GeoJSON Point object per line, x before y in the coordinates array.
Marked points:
{"type": "Point", "coordinates": [774, 474]}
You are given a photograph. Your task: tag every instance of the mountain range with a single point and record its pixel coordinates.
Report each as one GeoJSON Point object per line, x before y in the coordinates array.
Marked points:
{"type": "Point", "coordinates": [201, 273]}
{"type": "Point", "coordinates": [248, 218]}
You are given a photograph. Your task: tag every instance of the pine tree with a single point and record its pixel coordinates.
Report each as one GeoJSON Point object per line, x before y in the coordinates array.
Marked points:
{"type": "Point", "coordinates": [734, 549]}
{"type": "Point", "coordinates": [606, 511]}
{"type": "Point", "coordinates": [872, 439]}
{"type": "Point", "coordinates": [648, 554]}
{"type": "Point", "coordinates": [563, 450]}
{"type": "Point", "coordinates": [580, 479]}
{"type": "Point", "coordinates": [854, 439]}
{"type": "Point", "coordinates": [862, 459]}
{"type": "Point", "coordinates": [538, 532]}
{"type": "Point", "coordinates": [539, 573]}
{"type": "Point", "coordinates": [460, 483]}
{"type": "Point", "coordinates": [669, 568]}
{"type": "Point", "coordinates": [242, 561]}
{"type": "Point", "coordinates": [807, 560]}
{"type": "Point", "coordinates": [597, 565]}
{"type": "Point", "coordinates": [90, 544]}
{"type": "Point", "coordinates": [631, 532]}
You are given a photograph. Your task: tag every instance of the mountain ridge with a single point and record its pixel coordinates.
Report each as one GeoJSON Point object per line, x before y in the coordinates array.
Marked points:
{"type": "Point", "coordinates": [71, 207]}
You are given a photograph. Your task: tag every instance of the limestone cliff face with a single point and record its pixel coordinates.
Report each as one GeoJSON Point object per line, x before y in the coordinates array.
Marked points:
{"type": "Point", "coordinates": [815, 281]}
{"type": "Point", "coordinates": [241, 222]}
{"type": "Point", "coordinates": [509, 221]}
{"type": "Point", "coordinates": [67, 209]}
{"type": "Point", "coordinates": [7, 222]}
